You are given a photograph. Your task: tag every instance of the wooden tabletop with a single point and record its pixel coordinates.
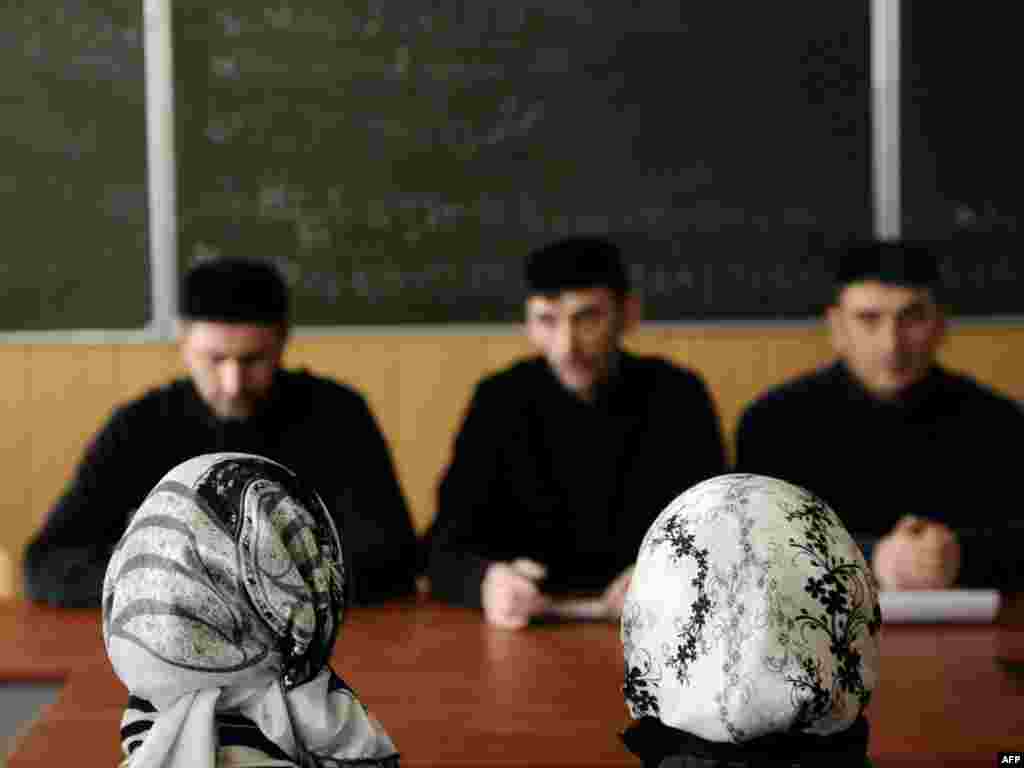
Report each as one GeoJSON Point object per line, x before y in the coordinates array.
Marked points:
{"type": "Point", "coordinates": [453, 691]}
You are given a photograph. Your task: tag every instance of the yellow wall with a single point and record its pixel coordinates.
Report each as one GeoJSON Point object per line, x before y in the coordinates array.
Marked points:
{"type": "Point", "coordinates": [53, 396]}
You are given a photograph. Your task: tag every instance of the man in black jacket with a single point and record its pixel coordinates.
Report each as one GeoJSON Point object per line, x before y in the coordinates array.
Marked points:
{"type": "Point", "coordinates": [234, 327]}
{"type": "Point", "coordinates": [565, 459]}
{"type": "Point", "coordinates": [913, 458]}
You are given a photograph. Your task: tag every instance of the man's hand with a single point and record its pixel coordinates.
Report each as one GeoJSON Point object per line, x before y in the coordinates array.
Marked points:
{"type": "Point", "coordinates": [510, 595]}
{"type": "Point", "coordinates": [615, 595]}
{"type": "Point", "coordinates": [917, 554]}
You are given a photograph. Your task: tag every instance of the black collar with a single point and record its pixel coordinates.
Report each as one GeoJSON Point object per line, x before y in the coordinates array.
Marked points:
{"type": "Point", "coordinates": [265, 416]}
{"type": "Point", "coordinates": [916, 399]}
{"type": "Point", "coordinates": [653, 741]}
{"type": "Point", "coordinates": [608, 392]}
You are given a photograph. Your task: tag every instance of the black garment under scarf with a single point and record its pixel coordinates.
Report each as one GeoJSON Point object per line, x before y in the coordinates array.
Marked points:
{"type": "Point", "coordinates": [654, 743]}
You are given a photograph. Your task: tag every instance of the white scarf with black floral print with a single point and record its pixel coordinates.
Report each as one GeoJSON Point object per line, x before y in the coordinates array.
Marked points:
{"type": "Point", "coordinates": [751, 611]}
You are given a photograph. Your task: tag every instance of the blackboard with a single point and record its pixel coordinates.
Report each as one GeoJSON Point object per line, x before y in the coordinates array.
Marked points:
{"type": "Point", "coordinates": [399, 159]}
{"type": "Point", "coordinates": [962, 165]}
{"type": "Point", "coordinates": [72, 176]}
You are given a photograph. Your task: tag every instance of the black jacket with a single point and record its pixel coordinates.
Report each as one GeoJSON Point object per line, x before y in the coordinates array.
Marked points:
{"type": "Point", "coordinates": [320, 429]}
{"type": "Point", "coordinates": [538, 473]}
{"type": "Point", "coordinates": [945, 452]}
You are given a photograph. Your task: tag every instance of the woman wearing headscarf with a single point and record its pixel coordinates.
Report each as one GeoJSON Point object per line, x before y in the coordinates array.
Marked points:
{"type": "Point", "coordinates": [221, 606]}
{"type": "Point", "coordinates": [750, 632]}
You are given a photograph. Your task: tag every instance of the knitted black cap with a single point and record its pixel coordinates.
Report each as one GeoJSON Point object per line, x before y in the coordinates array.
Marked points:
{"type": "Point", "coordinates": [899, 263]}
{"type": "Point", "coordinates": [573, 263]}
{"type": "Point", "coordinates": [234, 291]}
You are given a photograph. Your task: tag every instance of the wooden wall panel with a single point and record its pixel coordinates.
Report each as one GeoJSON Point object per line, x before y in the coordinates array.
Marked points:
{"type": "Point", "coordinates": [69, 397]}
{"type": "Point", "coordinates": [994, 356]}
{"type": "Point", "coordinates": [15, 505]}
{"type": "Point", "coordinates": [437, 380]}
{"type": "Point", "coordinates": [53, 397]}
{"type": "Point", "coordinates": [140, 367]}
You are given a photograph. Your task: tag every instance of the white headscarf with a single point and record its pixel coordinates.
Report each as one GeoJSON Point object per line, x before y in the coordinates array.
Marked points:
{"type": "Point", "coordinates": [225, 595]}
{"type": "Point", "coordinates": [751, 611]}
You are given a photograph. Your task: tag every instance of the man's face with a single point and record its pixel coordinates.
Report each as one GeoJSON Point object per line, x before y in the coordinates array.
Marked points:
{"type": "Point", "coordinates": [887, 334]}
{"type": "Point", "coordinates": [232, 364]}
{"type": "Point", "coordinates": [578, 333]}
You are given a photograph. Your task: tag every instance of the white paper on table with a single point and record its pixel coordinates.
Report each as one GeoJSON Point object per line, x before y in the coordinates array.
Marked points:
{"type": "Point", "coordinates": [577, 609]}
{"type": "Point", "coordinates": [940, 605]}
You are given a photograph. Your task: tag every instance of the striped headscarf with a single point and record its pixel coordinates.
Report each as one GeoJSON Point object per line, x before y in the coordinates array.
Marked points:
{"type": "Point", "coordinates": [221, 606]}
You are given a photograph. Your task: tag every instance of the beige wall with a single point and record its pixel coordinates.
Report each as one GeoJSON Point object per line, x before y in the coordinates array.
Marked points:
{"type": "Point", "coordinates": [53, 396]}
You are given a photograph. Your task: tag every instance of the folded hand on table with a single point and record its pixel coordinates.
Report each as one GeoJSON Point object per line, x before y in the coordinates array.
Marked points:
{"type": "Point", "coordinates": [615, 595]}
{"type": "Point", "coordinates": [510, 594]}
{"type": "Point", "coordinates": [917, 554]}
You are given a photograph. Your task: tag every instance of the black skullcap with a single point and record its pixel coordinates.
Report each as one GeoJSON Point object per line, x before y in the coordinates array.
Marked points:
{"type": "Point", "coordinates": [888, 261]}
{"type": "Point", "coordinates": [235, 291]}
{"type": "Point", "coordinates": [573, 263]}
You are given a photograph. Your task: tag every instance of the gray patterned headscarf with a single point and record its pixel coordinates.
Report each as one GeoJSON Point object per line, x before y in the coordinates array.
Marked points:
{"type": "Point", "coordinates": [751, 612]}
{"type": "Point", "coordinates": [225, 596]}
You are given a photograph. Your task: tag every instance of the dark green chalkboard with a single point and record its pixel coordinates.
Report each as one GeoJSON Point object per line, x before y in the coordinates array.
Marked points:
{"type": "Point", "coordinates": [962, 164]}
{"type": "Point", "coordinates": [399, 159]}
{"type": "Point", "coordinates": [72, 165]}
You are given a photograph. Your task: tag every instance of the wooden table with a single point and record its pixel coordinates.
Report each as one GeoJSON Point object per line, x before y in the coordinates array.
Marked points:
{"type": "Point", "coordinates": [452, 691]}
